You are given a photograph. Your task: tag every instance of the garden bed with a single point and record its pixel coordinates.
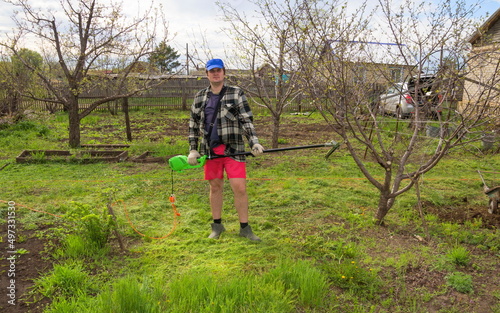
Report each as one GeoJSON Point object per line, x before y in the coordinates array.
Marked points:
{"type": "Point", "coordinates": [38, 156]}
{"type": "Point", "coordinates": [105, 146]}
{"type": "Point", "coordinates": [103, 156]}
{"type": "Point", "coordinates": [42, 155]}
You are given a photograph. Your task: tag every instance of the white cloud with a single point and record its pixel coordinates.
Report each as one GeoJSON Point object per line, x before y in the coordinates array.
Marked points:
{"type": "Point", "coordinates": [193, 21]}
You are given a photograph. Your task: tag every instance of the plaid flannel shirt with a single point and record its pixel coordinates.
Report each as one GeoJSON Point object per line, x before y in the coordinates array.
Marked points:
{"type": "Point", "coordinates": [234, 120]}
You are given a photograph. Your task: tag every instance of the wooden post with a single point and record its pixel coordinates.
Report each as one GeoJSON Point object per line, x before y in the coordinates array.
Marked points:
{"type": "Point", "coordinates": [115, 230]}
{"type": "Point", "coordinates": [184, 94]}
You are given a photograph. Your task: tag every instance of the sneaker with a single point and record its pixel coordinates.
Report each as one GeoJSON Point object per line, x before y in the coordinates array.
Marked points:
{"type": "Point", "coordinates": [217, 229]}
{"type": "Point", "coordinates": [247, 233]}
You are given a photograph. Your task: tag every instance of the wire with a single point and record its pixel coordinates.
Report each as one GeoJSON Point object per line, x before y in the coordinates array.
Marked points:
{"type": "Point", "coordinates": [172, 182]}
{"type": "Point", "coordinates": [171, 199]}
{"type": "Point", "coordinates": [174, 209]}
{"type": "Point", "coordinates": [35, 210]}
{"type": "Point", "coordinates": [175, 223]}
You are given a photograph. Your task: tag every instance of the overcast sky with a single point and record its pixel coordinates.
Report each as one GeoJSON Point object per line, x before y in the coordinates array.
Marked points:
{"type": "Point", "coordinates": [192, 20]}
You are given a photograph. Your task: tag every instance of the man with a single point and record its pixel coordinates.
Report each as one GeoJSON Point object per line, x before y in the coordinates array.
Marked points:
{"type": "Point", "coordinates": [221, 116]}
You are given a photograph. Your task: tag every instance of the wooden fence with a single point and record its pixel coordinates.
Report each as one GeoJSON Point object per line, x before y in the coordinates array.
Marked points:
{"type": "Point", "coordinates": [172, 94]}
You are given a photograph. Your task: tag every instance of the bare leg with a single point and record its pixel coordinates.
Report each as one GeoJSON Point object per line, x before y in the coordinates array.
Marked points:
{"type": "Point", "coordinates": [240, 198]}
{"type": "Point", "coordinates": [216, 187]}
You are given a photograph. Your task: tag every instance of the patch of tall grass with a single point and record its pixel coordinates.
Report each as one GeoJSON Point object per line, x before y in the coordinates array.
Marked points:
{"type": "Point", "coordinates": [307, 282]}
{"type": "Point", "coordinates": [67, 280]}
{"type": "Point", "coordinates": [206, 292]}
{"type": "Point", "coordinates": [94, 225]}
{"type": "Point", "coordinates": [130, 294]}
{"type": "Point", "coordinates": [126, 295]}
{"type": "Point", "coordinates": [75, 246]}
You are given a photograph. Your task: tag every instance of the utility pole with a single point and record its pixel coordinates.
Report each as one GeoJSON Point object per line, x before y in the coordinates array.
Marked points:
{"type": "Point", "coordinates": [187, 59]}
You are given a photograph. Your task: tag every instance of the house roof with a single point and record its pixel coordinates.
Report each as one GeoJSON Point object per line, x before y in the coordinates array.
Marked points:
{"type": "Point", "coordinates": [492, 20]}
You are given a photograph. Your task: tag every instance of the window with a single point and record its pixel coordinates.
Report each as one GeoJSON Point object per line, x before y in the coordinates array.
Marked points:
{"type": "Point", "coordinates": [396, 74]}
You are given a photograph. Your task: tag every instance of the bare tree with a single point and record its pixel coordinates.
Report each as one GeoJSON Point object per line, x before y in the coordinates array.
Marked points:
{"type": "Point", "coordinates": [339, 67]}
{"type": "Point", "coordinates": [79, 41]}
{"type": "Point", "coordinates": [265, 45]}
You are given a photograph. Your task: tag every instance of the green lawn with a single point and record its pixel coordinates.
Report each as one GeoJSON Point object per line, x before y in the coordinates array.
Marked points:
{"type": "Point", "coordinates": [321, 251]}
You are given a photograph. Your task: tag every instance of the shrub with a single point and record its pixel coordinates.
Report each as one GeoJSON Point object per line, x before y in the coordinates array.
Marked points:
{"type": "Point", "coordinates": [93, 226]}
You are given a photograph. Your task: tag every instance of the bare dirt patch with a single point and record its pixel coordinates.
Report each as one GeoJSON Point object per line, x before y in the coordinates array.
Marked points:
{"type": "Point", "coordinates": [18, 271]}
{"type": "Point", "coordinates": [461, 214]}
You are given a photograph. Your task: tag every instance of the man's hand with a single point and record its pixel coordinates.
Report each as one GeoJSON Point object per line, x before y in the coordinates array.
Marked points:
{"type": "Point", "coordinates": [257, 149]}
{"type": "Point", "coordinates": [193, 157]}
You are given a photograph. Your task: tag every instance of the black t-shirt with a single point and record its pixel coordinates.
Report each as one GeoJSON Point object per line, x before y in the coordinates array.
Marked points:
{"type": "Point", "coordinates": [210, 110]}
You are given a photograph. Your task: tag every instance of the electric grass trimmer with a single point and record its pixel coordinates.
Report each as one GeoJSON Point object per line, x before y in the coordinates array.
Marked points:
{"type": "Point", "coordinates": [180, 162]}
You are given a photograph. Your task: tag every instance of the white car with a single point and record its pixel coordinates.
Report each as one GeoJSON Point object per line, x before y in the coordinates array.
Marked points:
{"type": "Point", "coordinates": [401, 99]}
{"type": "Point", "coordinates": [396, 100]}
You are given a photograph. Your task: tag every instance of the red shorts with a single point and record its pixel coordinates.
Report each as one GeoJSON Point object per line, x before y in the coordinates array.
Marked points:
{"type": "Point", "coordinates": [215, 168]}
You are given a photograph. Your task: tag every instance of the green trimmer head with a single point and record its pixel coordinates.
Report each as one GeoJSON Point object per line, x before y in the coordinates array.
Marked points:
{"type": "Point", "coordinates": [179, 163]}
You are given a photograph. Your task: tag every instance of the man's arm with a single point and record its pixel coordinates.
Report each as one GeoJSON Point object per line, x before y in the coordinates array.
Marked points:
{"type": "Point", "coordinates": [194, 121]}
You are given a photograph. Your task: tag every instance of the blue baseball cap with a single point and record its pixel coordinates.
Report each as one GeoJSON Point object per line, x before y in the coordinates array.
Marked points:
{"type": "Point", "coordinates": [214, 63]}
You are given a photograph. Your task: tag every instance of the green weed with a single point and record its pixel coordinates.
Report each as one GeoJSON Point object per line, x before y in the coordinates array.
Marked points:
{"type": "Point", "coordinates": [97, 228]}
{"type": "Point", "coordinates": [22, 251]}
{"type": "Point", "coordinates": [351, 276]}
{"type": "Point", "coordinates": [460, 282]}
{"type": "Point", "coordinates": [459, 256]}
{"type": "Point", "coordinates": [38, 156]}
{"type": "Point", "coordinates": [321, 247]}
{"type": "Point", "coordinates": [79, 304]}
{"type": "Point", "coordinates": [92, 224]}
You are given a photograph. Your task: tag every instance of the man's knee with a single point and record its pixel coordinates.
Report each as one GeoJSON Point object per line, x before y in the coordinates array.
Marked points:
{"type": "Point", "coordinates": [239, 186]}
{"type": "Point", "coordinates": [216, 185]}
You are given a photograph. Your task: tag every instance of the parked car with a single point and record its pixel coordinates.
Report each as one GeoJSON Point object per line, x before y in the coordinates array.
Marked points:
{"type": "Point", "coordinates": [401, 99]}
{"type": "Point", "coordinates": [396, 100]}
{"type": "Point", "coordinates": [425, 89]}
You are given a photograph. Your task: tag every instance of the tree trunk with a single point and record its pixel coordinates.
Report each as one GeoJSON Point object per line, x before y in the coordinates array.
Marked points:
{"type": "Point", "coordinates": [382, 210]}
{"type": "Point", "coordinates": [127, 119]}
{"type": "Point", "coordinates": [74, 125]}
{"type": "Point", "coordinates": [384, 204]}
{"type": "Point", "coordinates": [276, 131]}
{"type": "Point", "coordinates": [11, 103]}
{"type": "Point", "coordinates": [14, 105]}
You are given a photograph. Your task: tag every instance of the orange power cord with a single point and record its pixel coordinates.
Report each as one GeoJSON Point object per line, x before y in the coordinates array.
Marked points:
{"type": "Point", "coordinates": [176, 214]}
{"type": "Point", "coordinates": [171, 198]}
{"type": "Point", "coordinates": [35, 210]}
